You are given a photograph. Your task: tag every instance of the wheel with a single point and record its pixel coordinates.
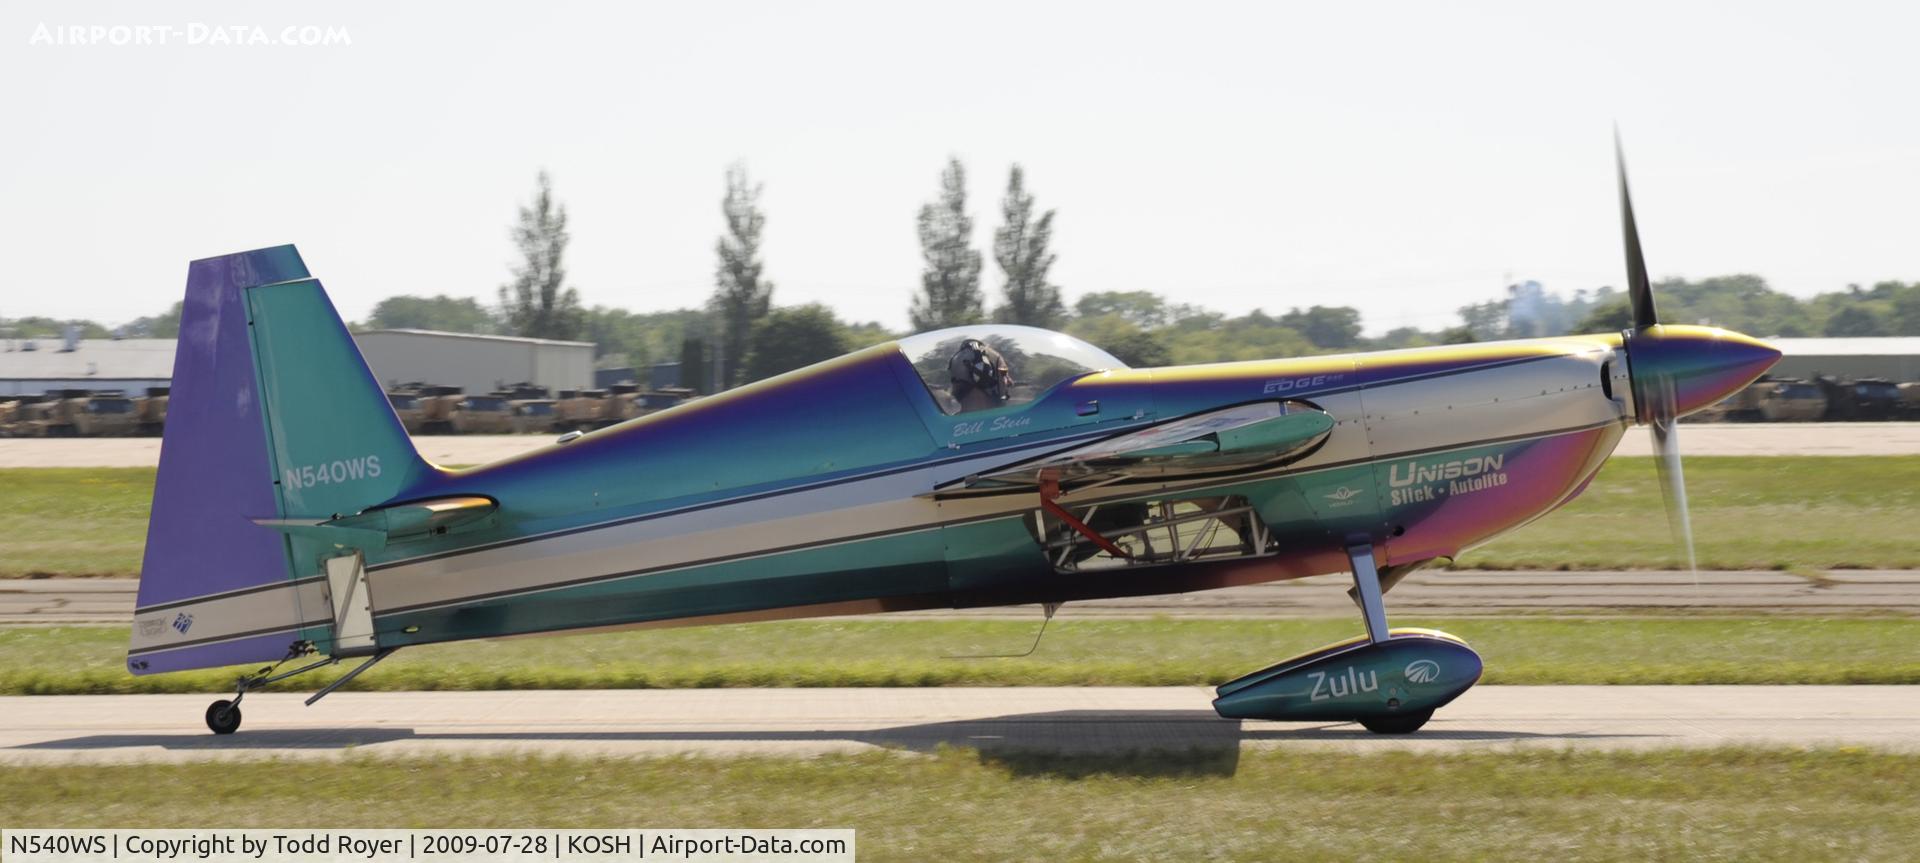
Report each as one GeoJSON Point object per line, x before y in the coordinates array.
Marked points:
{"type": "Point", "coordinates": [1399, 723]}
{"type": "Point", "coordinates": [223, 717]}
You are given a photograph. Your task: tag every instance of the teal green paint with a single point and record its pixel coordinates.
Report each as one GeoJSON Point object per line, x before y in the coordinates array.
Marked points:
{"type": "Point", "coordinates": [1407, 674]}
{"type": "Point", "coordinates": [334, 444]}
{"type": "Point", "coordinates": [337, 446]}
{"type": "Point", "coordinates": [598, 479]}
{"type": "Point", "coordinates": [903, 564]}
{"type": "Point", "coordinates": [1177, 450]}
{"type": "Point", "coordinates": [1334, 502]}
{"type": "Point", "coordinates": [1001, 551]}
{"type": "Point", "coordinates": [1280, 434]}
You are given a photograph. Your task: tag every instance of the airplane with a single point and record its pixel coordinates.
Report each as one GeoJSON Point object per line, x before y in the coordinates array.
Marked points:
{"type": "Point", "coordinates": [293, 520]}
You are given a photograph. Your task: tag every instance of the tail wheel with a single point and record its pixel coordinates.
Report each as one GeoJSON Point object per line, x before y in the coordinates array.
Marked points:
{"type": "Point", "coordinates": [223, 717]}
{"type": "Point", "coordinates": [1399, 723]}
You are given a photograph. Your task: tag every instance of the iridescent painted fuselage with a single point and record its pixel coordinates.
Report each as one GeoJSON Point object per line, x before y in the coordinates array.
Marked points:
{"type": "Point", "coordinates": [808, 494]}
{"type": "Point", "coordinates": [822, 491]}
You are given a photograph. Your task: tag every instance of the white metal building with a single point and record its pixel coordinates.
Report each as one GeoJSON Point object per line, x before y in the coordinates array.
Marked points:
{"type": "Point", "coordinates": [477, 364]}
{"type": "Point", "coordinates": [1895, 358]}
{"type": "Point", "coordinates": [480, 363]}
{"type": "Point", "coordinates": [34, 366]}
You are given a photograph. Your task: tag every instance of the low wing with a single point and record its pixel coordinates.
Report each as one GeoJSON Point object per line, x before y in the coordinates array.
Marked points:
{"type": "Point", "coordinates": [1236, 438]}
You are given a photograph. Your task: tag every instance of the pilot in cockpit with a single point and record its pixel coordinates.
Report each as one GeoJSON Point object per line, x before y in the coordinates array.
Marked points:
{"type": "Point", "coordinates": [980, 376]}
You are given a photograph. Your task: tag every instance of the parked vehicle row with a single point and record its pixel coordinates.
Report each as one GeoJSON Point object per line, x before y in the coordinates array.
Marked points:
{"type": "Point", "coordinates": [422, 409]}
{"type": "Point", "coordinates": [1822, 399]}
{"type": "Point", "coordinates": [524, 408]}
{"type": "Point", "coordinates": [529, 409]}
{"type": "Point", "coordinates": [84, 413]}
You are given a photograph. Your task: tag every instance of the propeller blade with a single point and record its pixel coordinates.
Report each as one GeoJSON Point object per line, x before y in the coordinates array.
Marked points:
{"type": "Point", "coordinates": [1639, 287]}
{"type": "Point", "coordinates": [1655, 391]}
{"type": "Point", "coordinates": [1673, 481]}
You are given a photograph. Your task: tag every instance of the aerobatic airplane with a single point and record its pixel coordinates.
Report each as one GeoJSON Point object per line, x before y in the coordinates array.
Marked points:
{"type": "Point", "coordinates": [294, 522]}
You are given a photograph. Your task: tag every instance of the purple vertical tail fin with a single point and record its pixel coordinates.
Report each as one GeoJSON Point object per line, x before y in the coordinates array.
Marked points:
{"type": "Point", "coordinates": [215, 589]}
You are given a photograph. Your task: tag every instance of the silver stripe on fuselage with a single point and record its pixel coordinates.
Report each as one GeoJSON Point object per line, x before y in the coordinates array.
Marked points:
{"type": "Point", "coordinates": [232, 615]}
{"type": "Point", "coordinates": [1011, 453]}
{"type": "Point", "coordinates": [880, 505]}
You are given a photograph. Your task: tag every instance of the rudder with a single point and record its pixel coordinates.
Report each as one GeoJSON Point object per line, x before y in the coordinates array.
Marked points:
{"type": "Point", "coordinates": [269, 395]}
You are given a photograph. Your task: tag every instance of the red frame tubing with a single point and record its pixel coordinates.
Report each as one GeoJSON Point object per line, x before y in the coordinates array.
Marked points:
{"type": "Point", "coordinates": [1050, 489]}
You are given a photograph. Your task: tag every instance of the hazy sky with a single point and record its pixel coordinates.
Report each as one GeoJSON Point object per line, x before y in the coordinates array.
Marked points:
{"type": "Point", "coordinates": [1402, 158]}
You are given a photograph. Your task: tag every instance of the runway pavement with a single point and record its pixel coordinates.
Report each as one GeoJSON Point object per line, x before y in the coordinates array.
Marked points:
{"type": "Point", "coordinates": [806, 722]}
{"type": "Point", "coordinates": [1464, 593]}
{"type": "Point", "coordinates": [1700, 439]}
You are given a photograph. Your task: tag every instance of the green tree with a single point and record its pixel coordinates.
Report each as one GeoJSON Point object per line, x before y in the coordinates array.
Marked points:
{"type": "Point", "coordinates": [1020, 247]}
{"type": "Point", "coordinates": [619, 338]}
{"type": "Point", "coordinates": [538, 303]}
{"type": "Point", "coordinates": [1143, 309]}
{"type": "Point", "coordinates": [1327, 327]}
{"type": "Point", "coordinates": [1140, 349]}
{"type": "Point", "coordinates": [741, 296]}
{"type": "Point", "coordinates": [793, 338]}
{"type": "Point", "coordinates": [622, 337]}
{"type": "Point", "coordinates": [441, 312]}
{"type": "Point", "coordinates": [51, 328]}
{"type": "Point", "coordinates": [1608, 317]}
{"type": "Point", "coordinates": [1486, 321]}
{"type": "Point", "coordinates": [1127, 342]}
{"type": "Point", "coordinates": [1740, 302]}
{"type": "Point", "coordinates": [1906, 310]}
{"type": "Point", "coordinates": [165, 325]}
{"type": "Point", "coordinates": [1103, 331]}
{"type": "Point", "coordinates": [1210, 338]}
{"type": "Point", "coordinates": [1855, 321]}
{"type": "Point", "coordinates": [865, 334]}
{"type": "Point", "coordinates": [949, 293]}
{"type": "Point", "coordinates": [1403, 337]}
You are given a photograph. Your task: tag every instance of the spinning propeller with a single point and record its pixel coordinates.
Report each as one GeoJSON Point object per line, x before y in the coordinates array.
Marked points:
{"type": "Point", "coordinates": [1677, 369]}
{"type": "Point", "coordinates": [1655, 391]}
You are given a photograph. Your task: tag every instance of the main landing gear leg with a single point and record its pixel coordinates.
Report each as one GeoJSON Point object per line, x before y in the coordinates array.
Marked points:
{"type": "Point", "coordinates": [1373, 607]}
{"type": "Point", "coordinates": [1366, 585]}
{"type": "Point", "coordinates": [1389, 682]}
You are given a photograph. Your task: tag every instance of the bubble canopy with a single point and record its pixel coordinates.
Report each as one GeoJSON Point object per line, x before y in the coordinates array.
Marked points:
{"type": "Point", "coordinates": [1036, 358]}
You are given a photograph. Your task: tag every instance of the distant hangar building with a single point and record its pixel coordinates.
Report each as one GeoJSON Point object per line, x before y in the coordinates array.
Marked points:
{"type": "Point", "coordinates": [479, 364]}
{"type": "Point", "coordinates": [1894, 358]}
{"type": "Point", "coordinates": [475, 363]}
{"type": "Point", "coordinates": [29, 367]}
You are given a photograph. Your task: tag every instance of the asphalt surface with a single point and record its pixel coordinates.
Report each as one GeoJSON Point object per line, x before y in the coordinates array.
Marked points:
{"type": "Point", "coordinates": [807, 722]}
{"type": "Point", "coordinates": [1465, 593]}
{"type": "Point", "coordinates": [1696, 439]}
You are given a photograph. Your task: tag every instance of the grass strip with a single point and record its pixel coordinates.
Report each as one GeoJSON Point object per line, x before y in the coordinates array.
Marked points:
{"type": "Point", "coordinates": [1732, 804]}
{"type": "Point", "coordinates": [1749, 512]}
{"type": "Point", "coordinates": [1163, 652]}
{"type": "Point", "coordinates": [73, 522]}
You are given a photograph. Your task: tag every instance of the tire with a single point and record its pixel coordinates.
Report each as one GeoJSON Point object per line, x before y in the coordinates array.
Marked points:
{"type": "Point", "coordinates": [1399, 723]}
{"type": "Point", "coordinates": [223, 717]}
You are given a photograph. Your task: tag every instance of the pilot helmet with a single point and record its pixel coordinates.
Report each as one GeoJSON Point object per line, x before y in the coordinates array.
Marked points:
{"type": "Point", "coordinates": [977, 366]}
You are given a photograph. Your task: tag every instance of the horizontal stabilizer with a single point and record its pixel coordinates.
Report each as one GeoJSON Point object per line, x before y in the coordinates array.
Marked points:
{"type": "Point", "coordinates": [377, 527]}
